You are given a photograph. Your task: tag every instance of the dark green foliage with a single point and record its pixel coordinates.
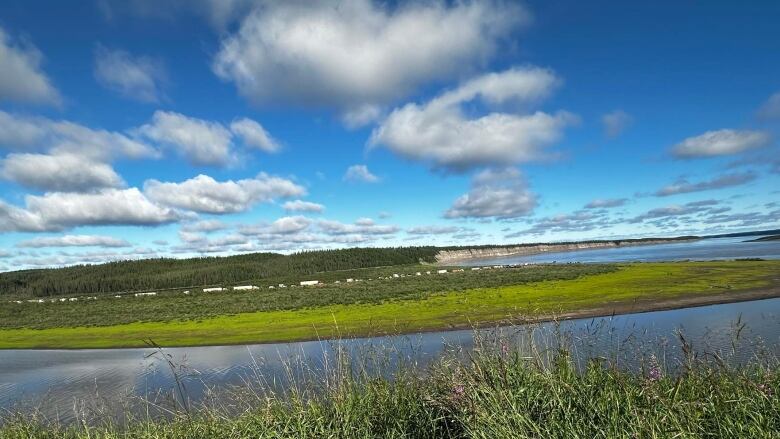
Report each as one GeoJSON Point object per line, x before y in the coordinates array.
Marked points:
{"type": "Point", "coordinates": [152, 274]}
{"type": "Point", "coordinates": [174, 305]}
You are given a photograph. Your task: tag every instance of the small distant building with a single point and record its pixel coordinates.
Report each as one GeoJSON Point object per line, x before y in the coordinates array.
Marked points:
{"type": "Point", "coordinates": [72, 299]}
{"type": "Point", "coordinates": [282, 285]}
{"type": "Point", "coordinates": [145, 294]}
{"type": "Point", "coordinates": [212, 290]}
{"type": "Point", "coordinates": [395, 275]}
{"type": "Point", "coordinates": [271, 287]}
{"type": "Point", "coordinates": [117, 297]}
{"type": "Point", "coordinates": [427, 272]}
{"type": "Point", "coordinates": [244, 287]}
{"type": "Point", "coordinates": [337, 282]}
{"type": "Point", "coordinates": [187, 292]}
{"type": "Point", "coordinates": [350, 280]}
{"type": "Point", "coordinates": [475, 269]}
{"type": "Point", "coordinates": [305, 283]}
{"type": "Point", "coordinates": [418, 274]}
{"type": "Point", "coordinates": [442, 271]}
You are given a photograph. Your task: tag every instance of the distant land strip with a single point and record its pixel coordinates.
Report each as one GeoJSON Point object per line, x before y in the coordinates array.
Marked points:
{"type": "Point", "coordinates": [454, 255]}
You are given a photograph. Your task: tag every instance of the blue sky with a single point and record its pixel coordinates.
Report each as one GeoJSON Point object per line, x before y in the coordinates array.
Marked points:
{"type": "Point", "coordinates": [173, 128]}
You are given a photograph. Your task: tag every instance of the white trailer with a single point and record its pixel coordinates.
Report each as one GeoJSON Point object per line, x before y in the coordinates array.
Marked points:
{"type": "Point", "coordinates": [212, 290]}
{"type": "Point", "coordinates": [244, 287]}
{"type": "Point", "coordinates": [306, 283]}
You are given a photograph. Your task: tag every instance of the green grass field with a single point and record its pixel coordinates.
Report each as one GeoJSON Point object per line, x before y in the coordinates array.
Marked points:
{"type": "Point", "coordinates": [174, 305]}
{"type": "Point", "coordinates": [641, 284]}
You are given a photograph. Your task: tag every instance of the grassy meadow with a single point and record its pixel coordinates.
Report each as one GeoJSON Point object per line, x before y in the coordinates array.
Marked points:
{"type": "Point", "coordinates": [402, 305]}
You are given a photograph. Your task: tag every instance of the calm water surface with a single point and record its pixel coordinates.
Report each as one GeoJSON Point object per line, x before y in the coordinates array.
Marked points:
{"type": "Point", "coordinates": [703, 249]}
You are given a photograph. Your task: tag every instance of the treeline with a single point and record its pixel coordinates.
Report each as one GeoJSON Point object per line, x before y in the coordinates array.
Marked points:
{"type": "Point", "coordinates": [164, 273]}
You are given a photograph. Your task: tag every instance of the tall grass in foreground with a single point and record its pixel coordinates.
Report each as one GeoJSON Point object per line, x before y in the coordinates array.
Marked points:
{"type": "Point", "coordinates": [493, 391]}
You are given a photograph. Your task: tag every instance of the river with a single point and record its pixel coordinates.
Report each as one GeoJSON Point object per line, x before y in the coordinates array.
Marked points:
{"type": "Point", "coordinates": [699, 250]}
{"type": "Point", "coordinates": [65, 383]}
{"type": "Point", "coordinates": [70, 384]}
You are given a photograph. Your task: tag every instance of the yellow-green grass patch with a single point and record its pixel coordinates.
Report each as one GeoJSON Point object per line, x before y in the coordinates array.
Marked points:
{"type": "Point", "coordinates": [639, 282]}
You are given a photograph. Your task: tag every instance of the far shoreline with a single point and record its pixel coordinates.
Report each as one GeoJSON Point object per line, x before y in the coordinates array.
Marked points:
{"type": "Point", "coordinates": [476, 254]}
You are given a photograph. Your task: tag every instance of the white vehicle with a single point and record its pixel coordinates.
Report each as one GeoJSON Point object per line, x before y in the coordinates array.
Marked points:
{"type": "Point", "coordinates": [305, 283]}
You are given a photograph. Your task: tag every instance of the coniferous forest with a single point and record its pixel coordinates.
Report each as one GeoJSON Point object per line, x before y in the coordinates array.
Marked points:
{"type": "Point", "coordinates": [163, 273]}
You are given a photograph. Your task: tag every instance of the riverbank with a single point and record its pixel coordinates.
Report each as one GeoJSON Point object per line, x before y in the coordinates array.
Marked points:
{"type": "Point", "coordinates": [631, 288]}
{"type": "Point", "coordinates": [492, 252]}
{"type": "Point", "coordinates": [497, 393]}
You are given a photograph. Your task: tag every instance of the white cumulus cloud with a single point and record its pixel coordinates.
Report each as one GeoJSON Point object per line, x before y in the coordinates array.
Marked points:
{"type": "Point", "coordinates": [253, 134]}
{"type": "Point", "coordinates": [303, 206]}
{"type": "Point", "coordinates": [58, 172]}
{"type": "Point", "coordinates": [23, 133]}
{"type": "Point", "coordinates": [21, 77]}
{"type": "Point", "coordinates": [55, 211]}
{"type": "Point", "coordinates": [500, 194]}
{"type": "Point", "coordinates": [107, 207]}
{"type": "Point", "coordinates": [74, 241]}
{"type": "Point", "coordinates": [200, 141]}
{"type": "Point", "coordinates": [441, 133]}
{"type": "Point", "coordinates": [720, 142]}
{"type": "Point", "coordinates": [206, 226]}
{"type": "Point", "coordinates": [357, 52]}
{"type": "Point", "coordinates": [360, 173]}
{"type": "Point", "coordinates": [206, 195]}
{"type": "Point", "coordinates": [136, 77]}
{"type": "Point", "coordinates": [683, 186]}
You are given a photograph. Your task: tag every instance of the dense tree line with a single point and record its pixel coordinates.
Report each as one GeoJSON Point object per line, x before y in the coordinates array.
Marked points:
{"type": "Point", "coordinates": [163, 273]}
